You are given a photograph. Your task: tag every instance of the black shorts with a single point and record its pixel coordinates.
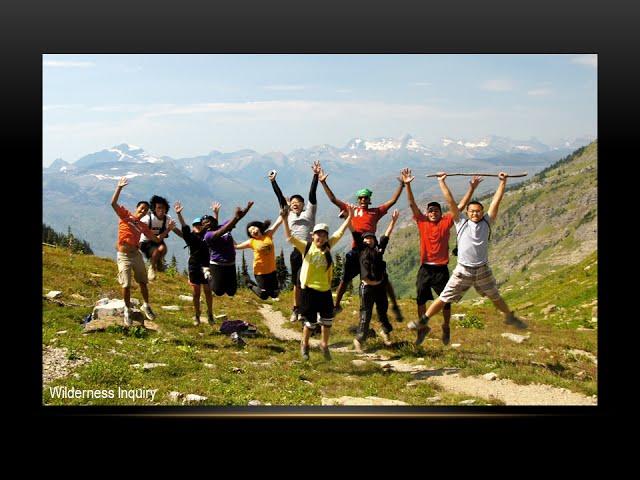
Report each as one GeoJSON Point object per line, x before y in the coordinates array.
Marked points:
{"type": "Point", "coordinates": [269, 283]}
{"type": "Point", "coordinates": [196, 277]}
{"type": "Point", "coordinates": [296, 264]}
{"type": "Point", "coordinates": [313, 303]}
{"type": "Point", "coordinates": [351, 266]}
{"type": "Point", "coordinates": [430, 277]}
{"type": "Point", "coordinates": [147, 247]}
{"type": "Point", "coordinates": [223, 279]}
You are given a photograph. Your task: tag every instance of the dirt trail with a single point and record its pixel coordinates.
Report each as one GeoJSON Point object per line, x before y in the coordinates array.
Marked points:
{"type": "Point", "coordinates": [504, 390]}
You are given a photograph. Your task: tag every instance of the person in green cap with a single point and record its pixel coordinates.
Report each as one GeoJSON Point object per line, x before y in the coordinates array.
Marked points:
{"type": "Point", "coordinates": [365, 219]}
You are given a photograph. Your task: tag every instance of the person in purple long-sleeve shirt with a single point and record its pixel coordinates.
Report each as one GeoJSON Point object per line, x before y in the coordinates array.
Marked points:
{"type": "Point", "coordinates": [222, 253]}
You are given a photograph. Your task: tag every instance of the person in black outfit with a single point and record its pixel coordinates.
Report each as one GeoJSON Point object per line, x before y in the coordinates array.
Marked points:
{"type": "Point", "coordinates": [373, 288]}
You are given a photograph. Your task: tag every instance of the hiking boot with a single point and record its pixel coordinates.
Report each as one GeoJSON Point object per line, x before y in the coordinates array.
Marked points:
{"type": "Point", "coordinates": [151, 273]}
{"type": "Point", "coordinates": [397, 313]}
{"type": "Point", "coordinates": [294, 317]}
{"type": "Point", "coordinates": [146, 309]}
{"type": "Point", "coordinates": [326, 353]}
{"type": "Point", "coordinates": [515, 321]}
{"type": "Point", "coordinates": [386, 338]}
{"type": "Point", "coordinates": [357, 346]}
{"type": "Point", "coordinates": [304, 351]}
{"type": "Point", "coordinates": [446, 334]}
{"type": "Point", "coordinates": [127, 317]}
{"type": "Point", "coordinates": [423, 331]}
{"type": "Point", "coordinates": [337, 309]}
{"type": "Point", "coordinates": [196, 320]}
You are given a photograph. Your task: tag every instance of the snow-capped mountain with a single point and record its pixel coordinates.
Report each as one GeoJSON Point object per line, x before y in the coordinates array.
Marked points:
{"type": "Point", "coordinates": [119, 153]}
{"type": "Point", "coordinates": [487, 147]}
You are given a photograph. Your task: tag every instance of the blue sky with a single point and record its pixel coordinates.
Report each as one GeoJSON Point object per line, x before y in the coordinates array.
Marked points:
{"type": "Point", "coordinates": [186, 105]}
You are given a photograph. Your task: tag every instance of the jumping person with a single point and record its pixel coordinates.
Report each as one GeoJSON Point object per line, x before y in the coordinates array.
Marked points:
{"type": "Point", "coordinates": [264, 258]}
{"type": "Point", "coordinates": [222, 254]}
{"type": "Point", "coordinates": [434, 229]}
{"type": "Point", "coordinates": [316, 304]}
{"type": "Point", "coordinates": [158, 221]}
{"type": "Point", "coordinates": [301, 220]}
{"type": "Point", "coordinates": [365, 219]}
{"type": "Point", "coordinates": [129, 258]}
{"type": "Point", "coordinates": [372, 286]}
{"type": "Point", "coordinates": [473, 230]}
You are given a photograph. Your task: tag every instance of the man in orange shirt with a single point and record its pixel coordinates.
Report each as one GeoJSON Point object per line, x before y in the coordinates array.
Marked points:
{"type": "Point", "coordinates": [129, 257]}
{"type": "Point", "coordinates": [434, 228]}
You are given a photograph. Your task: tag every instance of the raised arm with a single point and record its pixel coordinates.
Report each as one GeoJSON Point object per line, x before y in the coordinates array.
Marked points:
{"type": "Point", "coordinates": [394, 219]}
{"type": "Point", "coordinates": [407, 178]}
{"type": "Point", "coordinates": [175, 229]}
{"type": "Point", "coordinates": [178, 208]}
{"type": "Point", "coordinates": [340, 231]}
{"type": "Point", "coordinates": [273, 228]}
{"type": "Point", "coordinates": [314, 182]}
{"type": "Point", "coordinates": [239, 214]}
{"type": "Point", "coordinates": [497, 197]}
{"type": "Point", "coordinates": [453, 206]}
{"type": "Point", "coordinates": [276, 188]}
{"type": "Point", "coordinates": [322, 177]}
{"type": "Point", "coordinates": [394, 198]}
{"type": "Point", "coordinates": [215, 207]}
{"type": "Point", "coordinates": [123, 182]}
{"type": "Point", "coordinates": [473, 184]}
{"type": "Point", "coordinates": [284, 212]}
{"type": "Point", "coordinates": [242, 245]}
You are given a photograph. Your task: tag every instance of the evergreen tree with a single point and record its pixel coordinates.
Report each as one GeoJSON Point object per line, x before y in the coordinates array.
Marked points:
{"type": "Point", "coordinates": [281, 271]}
{"type": "Point", "coordinates": [244, 271]}
{"type": "Point", "coordinates": [173, 266]}
{"type": "Point", "coordinates": [338, 267]}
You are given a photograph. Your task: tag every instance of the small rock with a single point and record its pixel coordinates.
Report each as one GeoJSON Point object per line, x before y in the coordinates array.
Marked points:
{"type": "Point", "coordinates": [172, 308]}
{"type": "Point", "coordinates": [458, 316]}
{"type": "Point", "coordinates": [175, 396]}
{"type": "Point", "coordinates": [186, 298]}
{"type": "Point", "coordinates": [515, 338]}
{"type": "Point", "coordinates": [254, 403]}
{"type": "Point", "coordinates": [433, 399]}
{"type": "Point", "coordinates": [220, 317]}
{"type": "Point", "coordinates": [594, 320]}
{"type": "Point", "coordinates": [413, 384]}
{"type": "Point", "coordinates": [237, 370]}
{"type": "Point", "coordinates": [525, 306]}
{"type": "Point", "coordinates": [54, 294]}
{"type": "Point", "coordinates": [359, 363]}
{"type": "Point", "coordinates": [61, 332]}
{"type": "Point", "coordinates": [209, 365]}
{"type": "Point", "coordinates": [456, 345]}
{"type": "Point", "coordinates": [345, 400]}
{"type": "Point", "coordinates": [581, 374]}
{"type": "Point", "coordinates": [77, 296]}
{"type": "Point", "coordinates": [582, 353]}
{"type": "Point", "coordinates": [548, 309]}
{"type": "Point", "coordinates": [467, 402]}
{"type": "Point", "coordinates": [119, 342]}
{"type": "Point", "coordinates": [584, 329]}
{"type": "Point", "coordinates": [148, 366]}
{"type": "Point", "coordinates": [193, 398]}
{"type": "Point", "coordinates": [96, 274]}
{"type": "Point", "coordinates": [490, 376]}
{"type": "Point", "coordinates": [307, 382]}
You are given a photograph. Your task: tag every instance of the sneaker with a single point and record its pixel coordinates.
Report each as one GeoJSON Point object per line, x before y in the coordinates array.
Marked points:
{"type": "Point", "coordinates": [326, 353]}
{"type": "Point", "coordinates": [146, 309]}
{"type": "Point", "coordinates": [337, 309]}
{"type": "Point", "coordinates": [196, 320]}
{"type": "Point", "coordinates": [446, 334]}
{"type": "Point", "coordinates": [305, 353]}
{"type": "Point", "coordinates": [515, 321]}
{"type": "Point", "coordinates": [413, 325]}
{"type": "Point", "coordinates": [386, 338]}
{"type": "Point", "coordinates": [357, 346]}
{"type": "Point", "coordinates": [294, 317]}
{"type": "Point", "coordinates": [151, 273]}
{"type": "Point", "coordinates": [398, 313]}
{"type": "Point", "coordinates": [127, 317]}
{"type": "Point", "coordinates": [423, 331]}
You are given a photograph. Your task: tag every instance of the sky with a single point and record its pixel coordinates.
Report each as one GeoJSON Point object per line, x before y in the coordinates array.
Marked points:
{"type": "Point", "coordinates": [188, 105]}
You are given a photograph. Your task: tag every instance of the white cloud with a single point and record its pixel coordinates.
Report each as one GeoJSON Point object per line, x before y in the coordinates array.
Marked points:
{"type": "Point", "coordinates": [591, 60]}
{"type": "Point", "coordinates": [67, 64]}
{"type": "Point", "coordinates": [498, 85]}
{"type": "Point", "coordinates": [540, 92]}
{"type": "Point", "coordinates": [284, 88]}
{"type": "Point", "coordinates": [48, 108]}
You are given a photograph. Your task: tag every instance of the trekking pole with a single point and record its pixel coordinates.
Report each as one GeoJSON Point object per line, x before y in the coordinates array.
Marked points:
{"type": "Point", "coordinates": [479, 175]}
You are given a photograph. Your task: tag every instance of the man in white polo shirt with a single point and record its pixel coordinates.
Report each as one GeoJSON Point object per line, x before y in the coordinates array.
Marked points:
{"type": "Point", "coordinates": [473, 231]}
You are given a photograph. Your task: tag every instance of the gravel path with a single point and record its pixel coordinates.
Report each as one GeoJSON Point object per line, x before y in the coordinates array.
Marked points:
{"type": "Point", "coordinates": [504, 390]}
{"type": "Point", "coordinates": [56, 364]}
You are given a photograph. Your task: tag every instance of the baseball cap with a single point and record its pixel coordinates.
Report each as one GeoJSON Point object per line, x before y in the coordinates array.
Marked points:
{"type": "Point", "coordinates": [434, 204]}
{"type": "Point", "coordinates": [368, 234]}
{"type": "Point", "coordinates": [321, 226]}
{"type": "Point", "coordinates": [197, 220]}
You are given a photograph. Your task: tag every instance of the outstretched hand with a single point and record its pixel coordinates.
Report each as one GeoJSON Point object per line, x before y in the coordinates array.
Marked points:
{"type": "Point", "coordinates": [177, 207]}
{"type": "Point", "coordinates": [475, 181]}
{"type": "Point", "coordinates": [405, 176]}
{"type": "Point", "coordinates": [395, 215]}
{"type": "Point", "coordinates": [246, 209]}
{"type": "Point", "coordinates": [123, 182]}
{"type": "Point", "coordinates": [171, 225]}
{"type": "Point", "coordinates": [272, 175]}
{"type": "Point", "coordinates": [316, 167]}
{"type": "Point", "coordinates": [215, 206]}
{"type": "Point", "coordinates": [502, 176]}
{"type": "Point", "coordinates": [322, 176]}
{"type": "Point", "coordinates": [441, 175]}
{"type": "Point", "coordinates": [284, 212]}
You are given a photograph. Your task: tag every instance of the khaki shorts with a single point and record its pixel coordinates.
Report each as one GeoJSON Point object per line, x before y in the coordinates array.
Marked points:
{"type": "Point", "coordinates": [128, 262]}
{"type": "Point", "coordinates": [464, 278]}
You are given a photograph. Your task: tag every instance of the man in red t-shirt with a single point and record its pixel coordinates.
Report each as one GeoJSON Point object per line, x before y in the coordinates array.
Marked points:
{"type": "Point", "coordinates": [434, 228]}
{"type": "Point", "coordinates": [364, 220]}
